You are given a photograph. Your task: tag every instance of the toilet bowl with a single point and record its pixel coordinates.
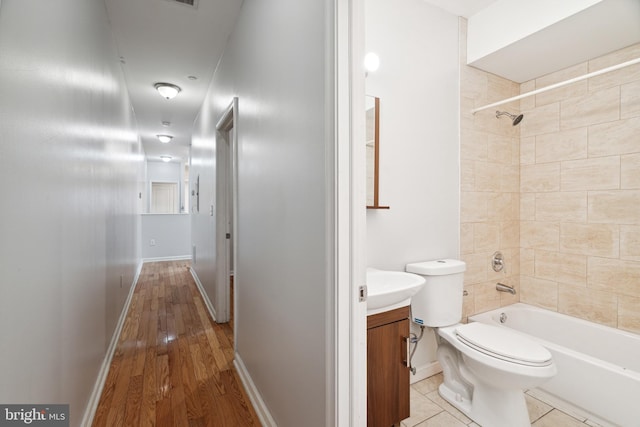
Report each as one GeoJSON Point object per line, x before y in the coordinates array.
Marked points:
{"type": "Point", "coordinates": [485, 368]}
{"type": "Point", "coordinates": [493, 366]}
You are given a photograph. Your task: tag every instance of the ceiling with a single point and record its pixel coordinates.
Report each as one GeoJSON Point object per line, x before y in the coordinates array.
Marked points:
{"type": "Point", "coordinates": [167, 41]}
{"type": "Point", "coordinates": [536, 42]}
{"type": "Point", "coordinates": [464, 8]}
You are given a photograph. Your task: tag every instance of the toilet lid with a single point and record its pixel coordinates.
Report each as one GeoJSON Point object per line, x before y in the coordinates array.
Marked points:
{"type": "Point", "coordinates": [504, 344]}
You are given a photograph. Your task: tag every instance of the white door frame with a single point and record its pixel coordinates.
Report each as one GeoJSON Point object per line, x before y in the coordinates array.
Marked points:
{"type": "Point", "coordinates": [226, 168]}
{"type": "Point", "coordinates": [350, 373]}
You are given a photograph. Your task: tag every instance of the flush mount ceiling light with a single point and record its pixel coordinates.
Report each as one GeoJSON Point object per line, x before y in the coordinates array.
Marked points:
{"type": "Point", "coordinates": [167, 90]}
{"type": "Point", "coordinates": [164, 138]}
{"type": "Point", "coordinates": [371, 62]}
{"type": "Point", "coordinates": [166, 123]}
{"type": "Point", "coordinates": [166, 159]}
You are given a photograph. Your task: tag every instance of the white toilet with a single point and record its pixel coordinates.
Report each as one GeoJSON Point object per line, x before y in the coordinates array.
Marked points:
{"type": "Point", "coordinates": [486, 368]}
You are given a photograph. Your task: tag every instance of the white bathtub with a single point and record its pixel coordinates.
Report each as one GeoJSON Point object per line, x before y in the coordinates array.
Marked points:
{"type": "Point", "coordinates": [598, 366]}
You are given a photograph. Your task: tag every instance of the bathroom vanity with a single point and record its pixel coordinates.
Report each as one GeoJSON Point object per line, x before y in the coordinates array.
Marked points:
{"type": "Point", "coordinates": [387, 371]}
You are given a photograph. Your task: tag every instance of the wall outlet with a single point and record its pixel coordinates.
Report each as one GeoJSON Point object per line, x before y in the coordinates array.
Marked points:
{"type": "Point", "coordinates": [152, 242]}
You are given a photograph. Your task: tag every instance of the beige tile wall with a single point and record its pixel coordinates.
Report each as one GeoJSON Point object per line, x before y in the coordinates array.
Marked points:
{"type": "Point", "coordinates": [490, 186]}
{"type": "Point", "coordinates": [558, 195]}
{"type": "Point", "coordinates": [580, 194]}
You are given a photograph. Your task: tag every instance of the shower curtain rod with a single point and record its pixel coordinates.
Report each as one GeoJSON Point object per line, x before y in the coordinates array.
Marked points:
{"type": "Point", "coordinates": [557, 85]}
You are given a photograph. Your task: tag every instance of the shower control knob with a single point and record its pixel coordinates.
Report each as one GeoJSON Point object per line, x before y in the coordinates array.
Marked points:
{"type": "Point", "coordinates": [497, 262]}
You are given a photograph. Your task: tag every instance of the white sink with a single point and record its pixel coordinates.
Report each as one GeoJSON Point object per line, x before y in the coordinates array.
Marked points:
{"type": "Point", "coordinates": [388, 290]}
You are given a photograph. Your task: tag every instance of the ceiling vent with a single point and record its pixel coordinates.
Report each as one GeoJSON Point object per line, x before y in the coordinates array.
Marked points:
{"type": "Point", "coordinates": [192, 3]}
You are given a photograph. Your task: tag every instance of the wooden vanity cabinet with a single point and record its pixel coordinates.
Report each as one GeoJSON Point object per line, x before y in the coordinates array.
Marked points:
{"type": "Point", "coordinates": [387, 373]}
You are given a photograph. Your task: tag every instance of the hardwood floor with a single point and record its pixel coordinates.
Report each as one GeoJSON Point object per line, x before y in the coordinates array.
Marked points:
{"type": "Point", "coordinates": [173, 364]}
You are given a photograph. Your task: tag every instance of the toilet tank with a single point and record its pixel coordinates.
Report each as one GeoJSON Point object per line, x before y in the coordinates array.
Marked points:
{"type": "Point", "coordinates": [439, 302]}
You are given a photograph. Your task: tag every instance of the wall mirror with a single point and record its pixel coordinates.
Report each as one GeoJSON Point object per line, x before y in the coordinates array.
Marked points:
{"type": "Point", "coordinates": [372, 106]}
{"type": "Point", "coordinates": [167, 187]}
{"type": "Point", "coordinates": [164, 197]}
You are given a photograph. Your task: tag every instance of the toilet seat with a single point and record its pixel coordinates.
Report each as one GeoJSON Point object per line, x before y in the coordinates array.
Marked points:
{"type": "Point", "coordinates": [503, 344]}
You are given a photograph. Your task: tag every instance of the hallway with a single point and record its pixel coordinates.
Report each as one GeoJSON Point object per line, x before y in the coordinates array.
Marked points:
{"type": "Point", "coordinates": [75, 160]}
{"type": "Point", "coordinates": [173, 365]}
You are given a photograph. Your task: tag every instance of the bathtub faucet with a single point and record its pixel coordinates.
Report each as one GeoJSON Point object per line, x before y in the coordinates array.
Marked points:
{"type": "Point", "coordinates": [501, 287]}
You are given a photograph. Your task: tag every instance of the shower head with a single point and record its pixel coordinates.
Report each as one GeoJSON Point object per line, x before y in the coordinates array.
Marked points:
{"type": "Point", "coordinates": [516, 119]}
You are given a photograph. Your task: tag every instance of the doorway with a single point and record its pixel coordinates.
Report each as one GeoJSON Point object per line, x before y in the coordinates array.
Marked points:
{"type": "Point", "coordinates": [164, 197]}
{"type": "Point", "coordinates": [226, 212]}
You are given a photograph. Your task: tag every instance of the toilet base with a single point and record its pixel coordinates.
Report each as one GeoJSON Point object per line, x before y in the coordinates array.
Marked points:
{"type": "Point", "coordinates": [490, 406]}
{"type": "Point", "coordinates": [486, 404]}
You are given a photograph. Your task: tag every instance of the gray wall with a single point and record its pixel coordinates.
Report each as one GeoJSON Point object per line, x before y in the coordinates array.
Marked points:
{"type": "Point", "coordinates": [70, 172]}
{"type": "Point", "coordinates": [171, 235]}
{"type": "Point", "coordinates": [275, 63]}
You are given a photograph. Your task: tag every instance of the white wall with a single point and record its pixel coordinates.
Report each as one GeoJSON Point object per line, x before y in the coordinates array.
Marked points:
{"type": "Point", "coordinates": [275, 63]}
{"type": "Point", "coordinates": [417, 84]}
{"type": "Point", "coordinates": [166, 236]}
{"type": "Point", "coordinates": [70, 175]}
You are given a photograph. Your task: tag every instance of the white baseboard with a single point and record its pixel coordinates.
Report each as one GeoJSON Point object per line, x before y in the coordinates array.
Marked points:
{"type": "Point", "coordinates": [426, 371]}
{"type": "Point", "coordinates": [94, 398]}
{"type": "Point", "coordinates": [168, 258]}
{"type": "Point", "coordinates": [205, 297]}
{"type": "Point", "coordinates": [254, 395]}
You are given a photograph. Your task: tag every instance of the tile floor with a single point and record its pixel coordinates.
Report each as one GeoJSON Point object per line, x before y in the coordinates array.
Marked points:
{"type": "Point", "coordinates": [428, 409]}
